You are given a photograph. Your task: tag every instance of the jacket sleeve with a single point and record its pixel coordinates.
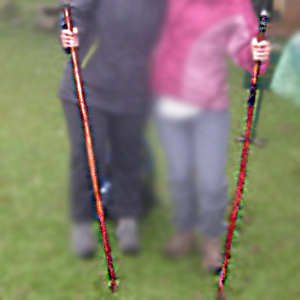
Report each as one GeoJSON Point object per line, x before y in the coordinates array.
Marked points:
{"type": "Point", "coordinates": [239, 42]}
{"type": "Point", "coordinates": [81, 11]}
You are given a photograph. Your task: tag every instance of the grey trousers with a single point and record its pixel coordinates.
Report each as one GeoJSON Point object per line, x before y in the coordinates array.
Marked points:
{"type": "Point", "coordinates": [196, 155]}
{"type": "Point", "coordinates": [124, 134]}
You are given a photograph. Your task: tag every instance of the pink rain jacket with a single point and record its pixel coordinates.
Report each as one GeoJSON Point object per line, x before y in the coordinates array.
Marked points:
{"type": "Point", "coordinates": [190, 60]}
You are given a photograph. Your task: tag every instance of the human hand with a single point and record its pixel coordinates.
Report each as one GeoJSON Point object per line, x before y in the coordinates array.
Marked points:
{"type": "Point", "coordinates": [260, 51]}
{"type": "Point", "coordinates": [69, 39]}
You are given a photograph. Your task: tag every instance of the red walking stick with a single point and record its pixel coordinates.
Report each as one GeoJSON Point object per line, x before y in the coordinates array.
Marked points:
{"type": "Point", "coordinates": [235, 212]}
{"type": "Point", "coordinates": [89, 147]}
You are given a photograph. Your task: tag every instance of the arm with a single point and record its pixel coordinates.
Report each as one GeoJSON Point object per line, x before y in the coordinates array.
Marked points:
{"type": "Point", "coordinates": [240, 42]}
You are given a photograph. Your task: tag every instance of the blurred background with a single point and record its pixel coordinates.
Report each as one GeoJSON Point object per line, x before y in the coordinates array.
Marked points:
{"type": "Point", "coordinates": [35, 260]}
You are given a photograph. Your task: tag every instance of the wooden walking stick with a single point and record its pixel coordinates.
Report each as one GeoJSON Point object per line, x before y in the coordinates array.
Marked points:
{"type": "Point", "coordinates": [89, 148]}
{"type": "Point", "coordinates": [244, 158]}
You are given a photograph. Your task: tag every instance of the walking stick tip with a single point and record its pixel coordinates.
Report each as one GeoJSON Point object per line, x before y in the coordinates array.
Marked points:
{"type": "Point", "coordinates": [114, 283]}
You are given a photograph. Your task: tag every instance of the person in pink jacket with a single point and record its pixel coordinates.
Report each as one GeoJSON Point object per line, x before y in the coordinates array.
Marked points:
{"type": "Point", "coordinates": [192, 112]}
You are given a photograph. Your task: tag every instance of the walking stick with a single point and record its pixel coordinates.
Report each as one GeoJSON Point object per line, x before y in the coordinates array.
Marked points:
{"type": "Point", "coordinates": [89, 147]}
{"type": "Point", "coordinates": [235, 212]}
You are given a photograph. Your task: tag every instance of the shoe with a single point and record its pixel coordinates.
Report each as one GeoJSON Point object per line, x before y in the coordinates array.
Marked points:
{"type": "Point", "coordinates": [211, 249]}
{"type": "Point", "coordinates": [127, 234]}
{"type": "Point", "coordinates": [84, 241]}
{"type": "Point", "coordinates": [179, 245]}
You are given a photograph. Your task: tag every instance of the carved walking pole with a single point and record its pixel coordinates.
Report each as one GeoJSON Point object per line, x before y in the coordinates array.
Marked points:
{"type": "Point", "coordinates": [237, 204]}
{"type": "Point", "coordinates": [89, 147]}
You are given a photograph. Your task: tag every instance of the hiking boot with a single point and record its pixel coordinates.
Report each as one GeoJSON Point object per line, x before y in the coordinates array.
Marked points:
{"type": "Point", "coordinates": [127, 234]}
{"type": "Point", "coordinates": [179, 245]}
{"type": "Point", "coordinates": [211, 249]}
{"type": "Point", "coordinates": [84, 241]}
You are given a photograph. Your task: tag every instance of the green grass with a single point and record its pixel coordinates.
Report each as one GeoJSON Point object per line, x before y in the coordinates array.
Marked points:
{"type": "Point", "coordinates": [34, 249]}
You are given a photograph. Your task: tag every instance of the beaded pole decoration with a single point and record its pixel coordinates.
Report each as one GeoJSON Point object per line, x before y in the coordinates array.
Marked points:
{"type": "Point", "coordinates": [236, 212]}
{"type": "Point", "coordinates": [89, 147]}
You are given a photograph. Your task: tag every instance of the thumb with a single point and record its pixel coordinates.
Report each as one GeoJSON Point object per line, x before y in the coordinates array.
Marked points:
{"type": "Point", "coordinates": [75, 30]}
{"type": "Point", "coordinates": [254, 42]}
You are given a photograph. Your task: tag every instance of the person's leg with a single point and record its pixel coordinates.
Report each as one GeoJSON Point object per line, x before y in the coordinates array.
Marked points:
{"type": "Point", "coordinates": [211, 136]}
{"type": "Point", "coordinates": [176, 139]}
{"type": "Point", "coordinates": [126, 136]}
{"type": "Point", "coordinates": [81, 212]}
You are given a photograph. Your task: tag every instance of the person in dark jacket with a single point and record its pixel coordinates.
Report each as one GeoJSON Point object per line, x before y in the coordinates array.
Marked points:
{"type": "Point", "coordinates": [115, 40]}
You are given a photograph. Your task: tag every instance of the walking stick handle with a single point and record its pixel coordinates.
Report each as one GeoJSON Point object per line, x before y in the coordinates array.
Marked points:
{"type": "Point", "coordinates": [65, 2]}
{"type": "Point", "coordinates": [67, 13]}
{"type": "Point", "coordinates": [264, 19]}
{"type": "Point", "coordinates": [261, 36]}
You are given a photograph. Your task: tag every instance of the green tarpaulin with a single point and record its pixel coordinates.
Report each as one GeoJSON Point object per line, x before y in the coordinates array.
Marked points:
{"type": "Point", "coordinates": [286, 79]}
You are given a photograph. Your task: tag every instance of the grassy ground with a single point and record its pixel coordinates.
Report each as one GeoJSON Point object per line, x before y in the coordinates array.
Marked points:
{"type": "Point", "coordinates": [34, 251]}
